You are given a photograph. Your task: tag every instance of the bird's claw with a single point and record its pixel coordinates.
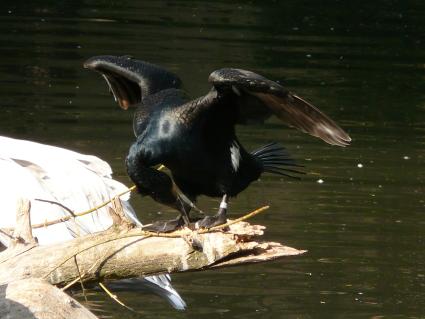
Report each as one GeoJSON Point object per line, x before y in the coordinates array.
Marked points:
{"type": "Point", "coordinates": [211, 221]}
{"type": "Point", "coordinates": [165, 226]}
{"type": "Point", "coordinates": [219, 219]}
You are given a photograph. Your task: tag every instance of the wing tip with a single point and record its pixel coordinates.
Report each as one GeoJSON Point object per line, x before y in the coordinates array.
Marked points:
{"type": "Point", "coordinates": [93, 62]}
{"type": "Point", "coordinates": [336, 135]}
{"type": "Point", "coordinates": [342, 138]}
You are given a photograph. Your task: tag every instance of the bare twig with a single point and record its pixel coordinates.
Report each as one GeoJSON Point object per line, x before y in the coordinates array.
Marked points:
{"type": "Point", "coordinates": [80, 278]}
{"type": "Point", "coordinates": [97, 262]}
{"type": "Point", "coordinates": [245, 217]}
{"type": "Point", "coordinates": [6, 233]}
{"type": "Point", "coordinates": [114, 297]}
{"type": "Point", "coordinates": [56, 203]}
{"type": "Point", "coordinates": [66, 218]}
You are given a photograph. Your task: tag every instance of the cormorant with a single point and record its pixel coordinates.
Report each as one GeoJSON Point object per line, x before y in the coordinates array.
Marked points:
{"type": "Point", "coordinates": [196, 140]}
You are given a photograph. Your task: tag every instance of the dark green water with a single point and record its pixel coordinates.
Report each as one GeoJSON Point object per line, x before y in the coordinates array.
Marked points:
{"type": "Point", "coordinates": [362, 62]}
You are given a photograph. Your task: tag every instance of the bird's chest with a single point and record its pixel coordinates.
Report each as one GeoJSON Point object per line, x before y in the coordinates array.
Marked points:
{"type": "Point", "coordinates": [198, 180]}
{"type": "Point", "coordinates": [207, 172]}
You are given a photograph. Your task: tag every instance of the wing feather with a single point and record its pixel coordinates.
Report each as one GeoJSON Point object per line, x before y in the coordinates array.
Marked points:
{"type": "Point", "coordinates": [130, 80]}
{"type": "Point", "coordinates": [249, 88]}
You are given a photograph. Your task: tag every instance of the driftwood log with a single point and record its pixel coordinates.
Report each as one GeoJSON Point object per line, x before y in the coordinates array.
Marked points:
{"type": "Point", "coordinates": [123, 251]}
{"type": "Point", "coordinates": [36, 298]}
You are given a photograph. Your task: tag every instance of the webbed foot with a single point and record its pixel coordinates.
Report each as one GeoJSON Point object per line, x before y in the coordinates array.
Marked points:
{"type": "Point", "coordinates": [219, 219]}
{"type": "Point", "coordinates": [165, 226]}
{"type": "Point", "coordinates": [211, 221]}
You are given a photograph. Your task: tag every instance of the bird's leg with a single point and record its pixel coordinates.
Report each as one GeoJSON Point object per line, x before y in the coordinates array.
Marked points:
{"type": "Point", "coordinates": [165, 226]}
{"type": "Point", "coordinates": [177, 203]}
{"type": "Point", "coordinates": [183, 206]}
{"type": "Point", "coordinates": [218, 219]}
{"type": "Point", "coordinates": [159, 186]}
{"type": "Point", "coordinates": [170, 197]}
{"type": "Point", "coordinates": [189, 203]}
{"type": "Point", "coordinates": [222, 211]}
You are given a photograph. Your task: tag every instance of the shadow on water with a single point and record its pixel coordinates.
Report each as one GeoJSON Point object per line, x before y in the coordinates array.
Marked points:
{"type": "Point", "coordinates": [361, 62]}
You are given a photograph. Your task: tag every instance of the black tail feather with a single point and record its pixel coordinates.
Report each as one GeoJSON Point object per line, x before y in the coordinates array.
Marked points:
{"type": "Point", "coordinates": [280, 160]}
{"type": "Point", "coordinates": [268, 148]}
{"type": "Point", "coordinates": [277, 168]}
{"type": "Point", "coordinates": [275, 159]}
{"type": "Point", "coordinates": [278, 172]}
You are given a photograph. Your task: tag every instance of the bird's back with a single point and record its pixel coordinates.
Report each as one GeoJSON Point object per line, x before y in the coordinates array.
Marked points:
{"type": "Point", "coordinates": [210, 160]}
{"type": "Point", "coordinates": [156, 106]}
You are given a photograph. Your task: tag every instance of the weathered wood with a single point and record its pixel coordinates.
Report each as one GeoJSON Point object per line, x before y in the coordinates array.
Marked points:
{"type": "Point", "coordinates": [124, 254]}
{"type": "Point", "coordinates": [23, 232]}
{"type": "Point", "coordinates": [28, 270]}
{"type": "Point", "coordinates": [119, 218]}
{"type": "Point", "coordinates": [37, 299]}
{"type": "Point", "coordinates": [20, 239]}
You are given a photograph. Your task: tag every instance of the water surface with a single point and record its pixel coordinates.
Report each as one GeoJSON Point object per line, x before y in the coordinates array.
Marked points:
{"type": "Point", "coordinates": [360, 62]}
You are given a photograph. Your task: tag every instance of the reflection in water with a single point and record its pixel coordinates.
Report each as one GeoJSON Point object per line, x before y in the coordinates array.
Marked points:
{"type": "Point", "coordinates": [361, 62]}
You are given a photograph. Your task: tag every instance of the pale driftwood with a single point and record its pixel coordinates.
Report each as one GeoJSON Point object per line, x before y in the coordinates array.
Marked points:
{"type": "Point", "coordinates": [32, 298]}
{"type": "Point", "coordinates": [20, 239]}
{"type": "Point", "coordinates": [23, 232]}
{"type": "Point", "coordinates": [119, 218]}
{"type": "Point", "coordinates": [120, 252]}
{"type": "Point", "coordinates": [35, 298]}
{"type": "Point", "coordinates": [107, 255]}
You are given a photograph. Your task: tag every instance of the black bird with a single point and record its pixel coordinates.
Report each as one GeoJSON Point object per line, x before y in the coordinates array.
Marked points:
{"type": "Point", "coordinates": [196, 140]}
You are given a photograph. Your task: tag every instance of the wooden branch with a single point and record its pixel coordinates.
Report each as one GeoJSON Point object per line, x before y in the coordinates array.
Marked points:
{"type": "Point", "coordinates": [20, 239]}
{"type": "Point", "coordinates": [89, 211]}
{"type": "Point", "coordinates": [28, 270]}
{"type": "Point", "coordinates": [119, 218]}
{"type": "Point", "coordinates": [37, 299]}
{"type": "Point", "coordinates": [23, 232]}
{"type": "Point", "coordinates": [123, 253]}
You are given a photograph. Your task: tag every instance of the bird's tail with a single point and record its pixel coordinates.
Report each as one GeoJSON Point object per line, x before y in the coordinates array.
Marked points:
{"type": "Point", "coordinates": [160, 285]}
{"type": "Point", "coordinates": [276, 160]}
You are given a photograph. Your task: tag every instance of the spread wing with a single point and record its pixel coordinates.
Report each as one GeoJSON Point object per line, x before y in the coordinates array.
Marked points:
{"type": "Point", "coordinates": [129, 80]}
{"type": "Point", "coordinates": [250, 90]}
